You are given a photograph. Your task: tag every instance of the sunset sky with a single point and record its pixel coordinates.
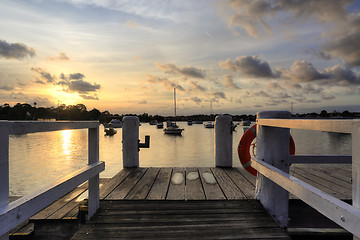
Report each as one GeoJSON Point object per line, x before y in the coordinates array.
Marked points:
{"type": "Point", "coordinates": [242, 56]}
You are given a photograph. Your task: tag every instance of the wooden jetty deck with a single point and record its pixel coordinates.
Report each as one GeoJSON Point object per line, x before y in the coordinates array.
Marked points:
{"type": "Point", "coordinates": [207, 202]}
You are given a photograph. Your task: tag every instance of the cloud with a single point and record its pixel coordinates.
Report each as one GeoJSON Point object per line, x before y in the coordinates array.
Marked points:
{"type": "Point", "coordinates": [219, 95]}
{"type": "Point", "coordinates": [62, 57]}
{"type": "Point", "coordinates": [196, 99]}
{"type": "Point", "coordinates": [344, 41]}
{"type": "Point", "coordinates": [191, 72]}
{"type": "Point", "coordinates": [89, 97]}
{"type": "Point", "coordinates": [254, 16]}
{"type": "Point", "coordinates": [143, 102]}
{"type": "Point", "coordinates": [73, 82]}
{"type": "Point", "coordinates": [6, 87]}
{"type": "Point", "coordinates": [229, 82]}
{"type": "Point", "coordinates": [15, 50]}
{"type": "Point", "coordinates": [44, 76]}
{"type": "Point", "coordinates": [76, 76]}
{"type": "Point", "coordinates": [343, 76]}
{"type": "Point", "coordinates": [249, 66]}
{"type": "Point", "coordinates": [303, 71]}
{"type": "Point", "coordinates": [165, 82]}
{"type": "Point", "coordinates": [196, 86]}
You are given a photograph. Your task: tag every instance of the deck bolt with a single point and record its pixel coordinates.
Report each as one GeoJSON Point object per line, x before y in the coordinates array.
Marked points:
{"type": "Point", "coordinates": [342, 218]}
{"type": "Point", "coordinates": [18, 215]}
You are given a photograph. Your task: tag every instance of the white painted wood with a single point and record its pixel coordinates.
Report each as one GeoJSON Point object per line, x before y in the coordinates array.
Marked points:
{"type": "Point", "coordinates": [22, 127]}
{"type": "Point", "coordinates": [223, 141]}
{"type": "Point", "coordinates": [356, 168]}
{"type": "Point", "coordinates": [4, 166]}
{"type": "Point", "coordinates": [18, 211]}
{"type": "Point", "coordinates": [130, 136]}
{"type": "Point", "coordinates": [344, 214]}
{"type": "Point", "coordinates": [273, 147]}
{"type": "Point", "coordinates": [327, 125]}
{"type": "Point", "coordinates": [4, 173]}
{"type": "Point", "coordinates": [93, 151]}
{"type": "Point", "coordinates": [315, 159]}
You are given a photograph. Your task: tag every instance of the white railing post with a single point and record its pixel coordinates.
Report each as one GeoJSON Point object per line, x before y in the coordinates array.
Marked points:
{"type": "Point", "coordinates": [130, 141]}
{"type": "Point", "coordinates": [273, 147]}
{"type": "Point", "coordinates": [93, 157]}
{"type": "Point", "coordinates": [4, 171]}
{"type": "Point", "coordinates": [356, 167]}
{"type": "Point", "coordinates": [223, 141]}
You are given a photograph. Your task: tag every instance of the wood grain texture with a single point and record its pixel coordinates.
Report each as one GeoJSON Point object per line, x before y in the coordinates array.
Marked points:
{"type": "Point", "coordinates": [212, 191]}
{"type": "Point", "coordinates": [229, 188]}
{"type": "Point", "coordinates": [177, 191]}
{"type": "Point", "coordinates": [242, 219]}
{"type": "Point", "coordinates": [122, 190]}
{"type": "Point", "coordinates": [142, 188]}
{"type": "Point", "coordinates": [160, 187]}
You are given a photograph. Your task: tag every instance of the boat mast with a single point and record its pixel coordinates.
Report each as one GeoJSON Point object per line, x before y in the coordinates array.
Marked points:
{"type": "Point", "coordinates": [175, 102]}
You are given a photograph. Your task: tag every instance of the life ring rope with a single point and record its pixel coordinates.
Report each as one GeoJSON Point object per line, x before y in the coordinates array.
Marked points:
{"type": "Point", "coordinates": [246, 143]}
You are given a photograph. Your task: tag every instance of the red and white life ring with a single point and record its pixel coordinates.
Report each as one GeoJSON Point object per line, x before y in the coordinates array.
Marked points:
{"type": "Point", "coordinates": [244, 149]}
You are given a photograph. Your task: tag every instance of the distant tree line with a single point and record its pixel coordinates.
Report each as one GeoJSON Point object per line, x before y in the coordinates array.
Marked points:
{"type": "Point", "coordinates": [79, 112]}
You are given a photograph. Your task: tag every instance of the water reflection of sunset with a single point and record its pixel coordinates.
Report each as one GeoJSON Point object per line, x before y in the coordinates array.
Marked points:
{"type": "Point", "coordinates": [66, 142]}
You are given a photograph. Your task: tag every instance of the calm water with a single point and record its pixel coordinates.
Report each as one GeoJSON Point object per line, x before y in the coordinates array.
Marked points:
{"type": "Point", "coordinates": [41, 158]}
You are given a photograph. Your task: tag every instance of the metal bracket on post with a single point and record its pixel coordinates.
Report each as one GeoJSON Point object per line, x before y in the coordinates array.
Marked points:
{"type": "Point", "coordinates": [146, 144]}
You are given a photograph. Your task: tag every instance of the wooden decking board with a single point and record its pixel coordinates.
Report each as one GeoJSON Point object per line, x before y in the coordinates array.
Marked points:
{"type": "Point", "coordinates": [143, 186]}
{"type": "Point", "coordinates": [321, 184]}
{"type": "Point", "coordinates": [248, 176]}
{"type": "Point", "coordinates": [161, 185]}
{"type": "Point", "coordinates": [60, 203]}
{"type": "Point", "coordinates": [193, 187]}
{"type": "Point", "coordinates": [204, 224]}
{"type": "Point", "coordinates": [229, 188]}
{"type": "Point", "coordinates": [341, 179]}
{"type": "Point", "coordinates": [115, 181]}
{"type": "Point", "coordinates": [123, 189]}
{"type": "Point", "coordinates": [241, 182]}
{"type": "Point", "coordinates": [334, 182]}
{"type": "Point", "coordinates": [212, 191]}
{"type": "Point", "coordinates": [177, 191]}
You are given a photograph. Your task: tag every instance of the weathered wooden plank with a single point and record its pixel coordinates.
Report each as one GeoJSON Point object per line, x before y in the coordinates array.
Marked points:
{"type": "Point", "coordinates": [177, 185]}
{"type": "Point", "coordinates": [193, 186]}
{"type": "Point", "coordinates": [336, 173]}
{"type": "Point", "coordinates": [161, 185]}
{"type": "Point", "coordinates": [198, 220]}
{"type": "Point", "coordinates": [115, 181]}
{"type": "Point", "coordinates": [142, 188]}
{"type": "Point", "coordinates": [211, 187]}
{"type": "Point", "coordinates": [229, 188]}
{"type": "Point", "coordinates": [331, 178]}
{"type": "Point", "coordinates": [251, 178]}
{"type": "Point", "coordinates": [60, 203]}
{"type": "Point", "coordinates": [243, 183]}
{"type": "Point", "coordinates": [123, 189]}
{"type": "Point", "coordinates": [320, 183]}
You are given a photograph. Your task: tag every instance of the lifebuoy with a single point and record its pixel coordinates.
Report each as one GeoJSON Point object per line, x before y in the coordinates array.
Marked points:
{"type": "Point", "coordinates": [244, 149]}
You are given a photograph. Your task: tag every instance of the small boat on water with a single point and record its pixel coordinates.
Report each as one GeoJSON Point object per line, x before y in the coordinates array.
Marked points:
{"type": "Point", "coordinates": [173, 128]}
{"type": "Point", "coordinates": [110, 131]}
{"type": "Point", "coordinates": [114, 123]}
{"type": "Point", "coordinates": [197, 122]}
{"type": "Point", "coordinates": [245, 123]}
{"type": "Point", "coordinates": [190, 122]}
{"type": "Point", "coordinates": [233, 126]}
{"type": "Point", "coordinates": [209, 125]}
{"type": "Point", "coordinates": [160, 125]}
{"type": "Point", "coordinates": [153, 122]}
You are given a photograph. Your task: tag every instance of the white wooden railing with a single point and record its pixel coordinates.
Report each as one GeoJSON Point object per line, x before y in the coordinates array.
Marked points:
{"type": "Point", "coordinates": [272, 162]}
{"type": "Point", "coordinates": [14, 213]}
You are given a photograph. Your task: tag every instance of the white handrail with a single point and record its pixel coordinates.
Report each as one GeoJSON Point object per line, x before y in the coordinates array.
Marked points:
{"type": "Point", "coordinates": [340, 212]}
{"type": "Point", "coordinates": [12, 214]}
